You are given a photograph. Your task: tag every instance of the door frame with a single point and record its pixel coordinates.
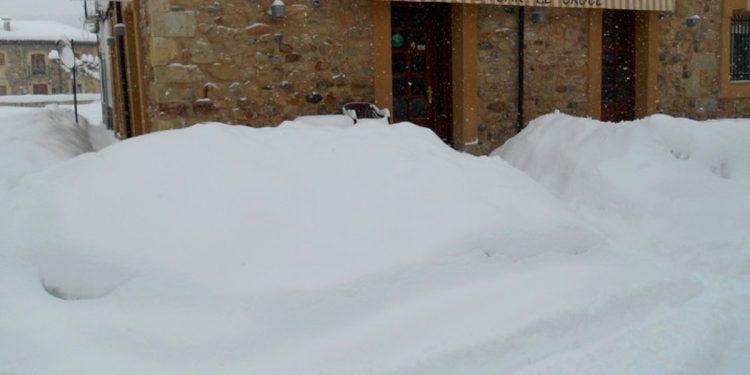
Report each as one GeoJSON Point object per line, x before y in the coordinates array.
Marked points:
{"type": "Point", "coordinates": [464, 61]}
{"type": "Point", "coordinates": [646, 63]}
{"type": "Point", "coordinates": [437, 71]}
{"type": "Point", "coordinates": [624, 82]}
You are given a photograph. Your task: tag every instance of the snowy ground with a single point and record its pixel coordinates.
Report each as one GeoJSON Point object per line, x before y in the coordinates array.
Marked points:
{"type": "Point", "coordinates": [44, 100]}
{"type": "Point", "coordinates": [32, 139]}
{"type": "Point", "coordinates": [374, 249]}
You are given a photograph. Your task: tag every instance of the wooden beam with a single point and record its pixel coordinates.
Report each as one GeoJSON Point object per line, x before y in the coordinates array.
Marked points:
{"type": "Point", "coordinates": [382, 59]}
{"type": "Point", "coordinates": [646, 61]}
{"type": "Point", "coordinates": [595, 64]}
{"type": "Point", "coordinates": [465, 74]}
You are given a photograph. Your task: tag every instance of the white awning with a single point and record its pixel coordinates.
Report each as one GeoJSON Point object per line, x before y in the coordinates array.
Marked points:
{"type": "Point", "coordinates": [658, 5]}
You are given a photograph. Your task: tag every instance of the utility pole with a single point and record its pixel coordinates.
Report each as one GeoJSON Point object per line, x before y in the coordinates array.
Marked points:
{"type": "Point", "coordinates": [75, 82]}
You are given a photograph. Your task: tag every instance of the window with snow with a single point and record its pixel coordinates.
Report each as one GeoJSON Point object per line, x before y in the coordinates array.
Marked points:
{"type": "Point", "coordinates": [38, 64]}
{"type": "Point", "coordinates": [3, 91]}
{"type": "Point", "coordinates": [739, 67]}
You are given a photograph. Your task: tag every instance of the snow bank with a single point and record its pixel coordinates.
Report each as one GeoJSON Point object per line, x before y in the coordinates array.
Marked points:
{"type": "Point", "coordinates": [99, 136]}
{"type": "Point", "coordinates": [661, 175]}
{"type": "Point", "coordinates": [221, 249]}
{"type": "Point", "coordinates": [33, 139]}
{"type": "Point", "coordinates": [314, 249]}
{"type": "Point", "coordinates": [669, 191]}
{"type": "Point", "coordinates": [48, 99]}
{"type": "Point", "coordinates": [627, 162]}
{"type": "Point", "coordinates": [284, 209]}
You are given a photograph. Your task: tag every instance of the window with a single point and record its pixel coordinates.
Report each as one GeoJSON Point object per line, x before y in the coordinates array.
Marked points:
{"type": "Point", "coordinates": [3, 90]}
{"type": "Point", "coordinates": [739, 65]}
{"type": "Point", "coordinates": [2, 59]}
{"type": "Point", "coordinates": [734, 76]}
{"type": "Point", "coordinates": [39, 89]}
{"type": "Point", "coordinates": [38, 64]}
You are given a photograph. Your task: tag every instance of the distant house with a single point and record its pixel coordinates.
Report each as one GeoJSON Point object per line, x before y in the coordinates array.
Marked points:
{"type": "Point", "coordinates": [473, 71]}
{"type": "Point", "coordinates": [25, 64]}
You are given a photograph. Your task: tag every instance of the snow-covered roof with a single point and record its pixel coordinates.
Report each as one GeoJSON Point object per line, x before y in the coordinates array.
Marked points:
{"type": "Point", "coordinates": [43, 30]}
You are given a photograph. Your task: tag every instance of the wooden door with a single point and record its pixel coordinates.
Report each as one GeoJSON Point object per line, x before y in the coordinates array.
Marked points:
{"type": "Point", "coordinates": [39, 89]}
{"type": "Point", "coordinates": [421, 65]}
{"type": "Point", "coordinates": [618, 65]}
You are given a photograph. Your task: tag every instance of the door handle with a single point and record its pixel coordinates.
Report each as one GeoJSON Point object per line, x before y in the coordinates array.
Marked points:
{"type": "Point", "coordinates": [429, 94]}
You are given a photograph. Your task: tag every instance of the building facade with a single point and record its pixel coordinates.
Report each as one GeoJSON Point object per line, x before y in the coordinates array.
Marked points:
{"type": "Point", "coordinates": [474, 71]}
{"type": "Point", "coordinates": [25, 63]}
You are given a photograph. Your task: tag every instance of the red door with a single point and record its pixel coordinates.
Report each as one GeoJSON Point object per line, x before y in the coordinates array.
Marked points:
{"type": "Point", "coordinates": [618, 65]}
{"type": "Point", "coordinates": [421, 65]}
{"type": "Point", "coordinates": [39, 89]}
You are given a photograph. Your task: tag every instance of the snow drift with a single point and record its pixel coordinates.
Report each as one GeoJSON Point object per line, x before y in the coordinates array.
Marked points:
{"type": "Point", "coordinates": [313, 249]}
{"type": "Point", "coordinates": [220, 244]}
{"type": "Point", "coordinates": [33, 139]}
{"type": "Point", "coordinates": [683, 183]}
{"type": "Point", "coordinates": [284, 209]}
{"type": "Point", "coordinates": [673, 191]}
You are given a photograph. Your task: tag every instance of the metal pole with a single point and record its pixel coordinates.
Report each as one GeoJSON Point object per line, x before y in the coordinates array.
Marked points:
{"type": "Point", "coordinates": [75, 84]}
{"type": "Point", "coordinates": [521, 68]}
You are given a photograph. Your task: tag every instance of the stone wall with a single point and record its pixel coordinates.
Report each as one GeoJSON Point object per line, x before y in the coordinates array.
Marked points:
{"type": "Point", "coordinates": [557, 63]}
{"type": "Point", "coordinates": [17, 77]}
{"type": "Point", "coordinates": [556, 68]}
{"type": "Point", "coordinates": [229, 61]}
{"type": "Point", "coordinates": [689, 64]}
{"type": "Point", "coordinates": [498, 75]}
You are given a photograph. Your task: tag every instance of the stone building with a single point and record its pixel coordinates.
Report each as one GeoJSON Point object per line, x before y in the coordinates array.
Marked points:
{"type": "Point", "coordinates": [474, 71]}
{"type": "Point", "coordinates": [25, 64]}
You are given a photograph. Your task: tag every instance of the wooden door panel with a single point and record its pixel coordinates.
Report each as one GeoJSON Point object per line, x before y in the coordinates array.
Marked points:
{"type": "Point", "coordinates": [618, 65]}
{"type": "Point", "coordinates": [421, 65]}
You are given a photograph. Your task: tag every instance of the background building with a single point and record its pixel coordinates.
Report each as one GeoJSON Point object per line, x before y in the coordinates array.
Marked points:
{"type": "Point", "coordinates": [25, 64]}
{"type": "Point", "coordinates": [474, 71]}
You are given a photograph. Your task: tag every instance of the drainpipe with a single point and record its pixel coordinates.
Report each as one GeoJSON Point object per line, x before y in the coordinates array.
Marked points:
{"type": "Point", "coordinates": [104, 74]}
{"type": "Point", "coordinates": [75, 80]}
{"type": "Point", "coordinates": [521, 69]}
{"type": "Point", "coordinates": [104, 47]}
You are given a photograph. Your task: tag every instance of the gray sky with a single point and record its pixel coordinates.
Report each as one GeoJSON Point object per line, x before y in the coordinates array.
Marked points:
{"type": "Point", "coordinates": [66, 11]}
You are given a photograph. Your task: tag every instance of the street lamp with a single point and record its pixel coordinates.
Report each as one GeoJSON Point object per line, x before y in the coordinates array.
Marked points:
{"type": "Point", "coordinates": [66, 53]}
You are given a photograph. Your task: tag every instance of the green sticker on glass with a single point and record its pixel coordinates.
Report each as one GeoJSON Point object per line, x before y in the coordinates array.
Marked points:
{"type": "Point", "coordinates": [397, 40]}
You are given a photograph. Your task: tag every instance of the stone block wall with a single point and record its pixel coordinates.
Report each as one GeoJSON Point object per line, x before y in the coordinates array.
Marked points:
{"type": "Point", "coordinates": [229, 61]}
{"type": "Point", "coordinates": [498, 75]}
{"type": "Point", "coordinates": [690, 62]}
{"type": "Point", "coordinates": [16, 75]}
{"type": "Point", "coordinates": [556, 68]}
{"type": "Point", "coordinates": [557, 62]}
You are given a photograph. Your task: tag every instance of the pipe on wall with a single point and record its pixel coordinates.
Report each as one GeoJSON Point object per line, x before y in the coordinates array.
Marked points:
{"type": "Point", "coordinates": [521, 67]}
{"type": "Point", "coordinates": [123, 66]}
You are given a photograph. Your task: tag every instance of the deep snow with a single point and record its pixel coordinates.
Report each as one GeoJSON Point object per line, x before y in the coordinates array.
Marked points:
{"type": "Point", "coordinates": [32, 140]}
{"type": "Point", "coordinates": [671, 191]}
{"type": "Point", "coordinates": [375, 249]}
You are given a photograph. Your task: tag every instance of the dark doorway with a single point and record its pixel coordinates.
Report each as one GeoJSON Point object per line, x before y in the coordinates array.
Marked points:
{"type": "Point", "coordinates": [618, 65]}
{"type": "Point", "coordinates": [421, 65]}
{"type": "Point", "coordinates": [39, 89]}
